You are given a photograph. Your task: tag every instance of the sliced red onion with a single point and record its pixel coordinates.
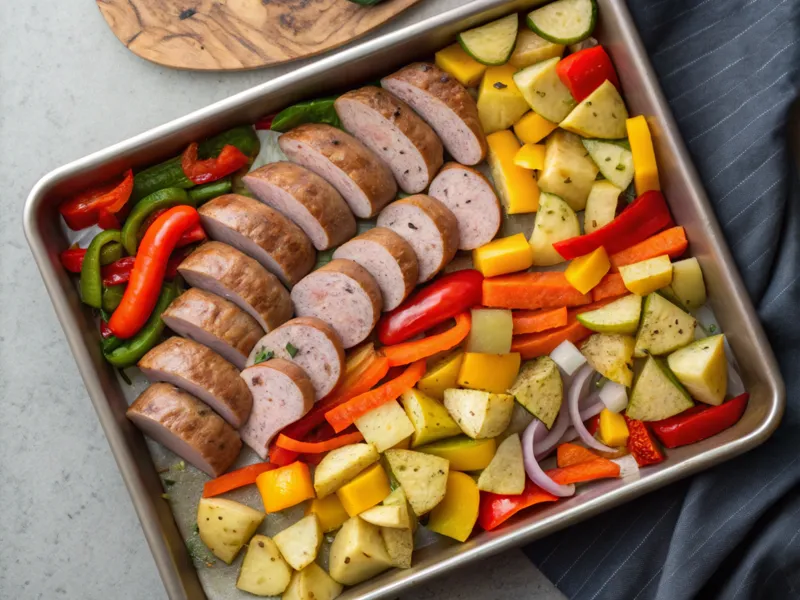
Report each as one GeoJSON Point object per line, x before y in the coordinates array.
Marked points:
{"type": "Point", "coordinates": [573, 401]}
{"type": "Point", "coordinates": [594, 409]}
{"type": "Point", "coordinates": [569, 435]}
{"type": "Point", "coordinates": [614, 396]}
{"type": "Point", "coordinates": [535, 430]}
{"type": "Point", "coordinates": [568, 358]}
{"type": "Point", "coordinates": [546, 442]}
{"type": "Point", "coordinates": [627, 465]}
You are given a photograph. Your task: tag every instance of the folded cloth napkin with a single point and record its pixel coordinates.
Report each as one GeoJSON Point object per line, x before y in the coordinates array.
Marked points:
{"type": "Point", "coordinates": [729, 69]}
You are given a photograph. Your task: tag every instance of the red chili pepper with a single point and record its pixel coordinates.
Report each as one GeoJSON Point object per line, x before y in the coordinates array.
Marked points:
{"type": "Point", "coordinates": [230, 160]}
{"type": "Point", "coordinates": [496, 509]}
{"type": "Point", "coordinates": [593, 424]}
{"type": "Point", "coordinates": [645, 216]}
{"type": "Point", "coordinates": [149, 269]}
{"type": "Point", "coordinates": [265, 122]}
{"type": "Point", "coordinates": [584, 71]}
{"type": "Point", "coordinates": [105, 332]}
{"type": "Point", "coordinates": [82, 210]}
{"type": "Point", "coordinates": [700, 422]}
{"type": "Point", "coordinates": [72, 259]}
{"type": "Point", "coordinates": [642, 445]}
{"type": "Point", "coordinates": [441, 300]}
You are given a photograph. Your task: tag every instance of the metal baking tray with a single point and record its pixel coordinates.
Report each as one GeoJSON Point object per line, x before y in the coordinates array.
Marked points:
{"type": "Point", "coordinates": [367, 62]}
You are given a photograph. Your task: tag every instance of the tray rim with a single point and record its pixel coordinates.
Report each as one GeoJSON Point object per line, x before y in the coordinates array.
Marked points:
{"type": "Point", "coordinates": [127, 445]}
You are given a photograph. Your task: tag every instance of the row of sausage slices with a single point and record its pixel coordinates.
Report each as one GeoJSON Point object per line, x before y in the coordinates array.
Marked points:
{"type": "Point", "coordinates": [238, 310]}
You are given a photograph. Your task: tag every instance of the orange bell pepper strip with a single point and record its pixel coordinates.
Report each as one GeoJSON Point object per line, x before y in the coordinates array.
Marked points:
{"type": "Point", "coordinates": [408, 352]}
{"type": "Point", "coordinates": [284, 487]}
{"type": "Point", "coordinates": [597, 468]}
{"type": "Point", "coordinates": [235, 479]}
{"type": "Point", "coordinates": [542, 289]}
{"type": "Point", "coordinates": [534, 321]}
{"type": "Point", "coordinates": [496, 509]}
{"type": "Point", "coordinates": [288, 443]}
{"type": "Point", "coordinates": [671, 242]}
{"type": "Point", "coordinates": [345, 414]}
{"type": "Point", "coordinates": [610, 286]}
{"type": "Point", "coordinates": [572, 454]}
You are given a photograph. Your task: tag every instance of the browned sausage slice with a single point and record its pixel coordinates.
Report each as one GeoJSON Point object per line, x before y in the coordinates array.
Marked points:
{"type": "Point", "coordinates": [282, 393]}
{"type": "Point", "coordinates": [180, 422]}
{"type": "Point", "coordinates": [225, 271]}
{"type": "Point", "coordinates": [307, 199]}
{"type": "Point", "coordinates": [201, 372]}
{"type": "Point", "coordinates": [428, 226]}
{"type": "Point", "coordinates": [471, 198]}
{"type": "Point", "coordinates": [311, 344]}
{"type": "Point", "coordinates": [388, 127]}
{"type": "Point", "coordinates": [445, 104]}
{"type": "Point", "coordinates": [261, 232]}
{"type": "Point", "coordinates": [388, 258]}
{"type": "Point", "coordinates": [344, 295]}
{"type": "Point", "coordinates": [363, 179]}
{"type": "Point", "coordinates": [214, 322]}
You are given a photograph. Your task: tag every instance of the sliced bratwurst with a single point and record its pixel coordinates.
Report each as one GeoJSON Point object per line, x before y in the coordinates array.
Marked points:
{"type": "Point", "coordinates": [311, 344]}
{"type": "Point", "coordinates": [445, 104]}
{"type": "Point", "coordinates": [363, 179]}
{"type": "Point", "coordinates": [225, 271]}
{"type": "Point", "coordinates": [214, 322]}
{"type": "Point", "coordinates": [307, 199]}
{"type": "Point", "coordinates": [180, 422]}
{"type": "Point", "coordinates": [282, 393]}
{"type": "Point", "coordinates": [428, 226]}
{"type": "Point", "coordinates": [344, 295]}
{"type": "Point", "coordinates": [201, 372]}
{"type": "Point", "coordinates": [388, 258]}
{"type": "Point", "coordinates": [471, 198]}
{"type": "Point", "coordinates": [261, 232]}
{"type": "Point", "coordinates": [394, 132]}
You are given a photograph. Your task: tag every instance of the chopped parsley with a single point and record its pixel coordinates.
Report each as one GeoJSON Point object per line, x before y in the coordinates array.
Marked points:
{"type": "Point", "coordinates": [165, 496]}
{"type": "Point", "coordinates": [600, 383]}
{"type": "Point", "coordinates": [291, 350]}
{"type": "Point", "coordinates": [169, 482]}
{"type": "Point", "coordinates": [540, 93]}
{"type": "Point", "coordinates": [263, 355]}
{"type": "Point", "coordinates": [712, 328]}
{"type": "Point", "coordinates": [568, 180]}
{"type": "Point", "coordinates": [499, 85]}
{"type": "Point", "coordinates": [179, 466]}
{"type": "Point", "coordinates": [620, 167]}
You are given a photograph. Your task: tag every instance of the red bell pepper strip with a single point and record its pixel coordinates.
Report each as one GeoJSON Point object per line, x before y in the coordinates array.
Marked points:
{"type": "Point", "coordinates": [288, 443]}
{"type": "Point", "coordinates": [72, 259]}
{"type": "Point", "coordinates": [643, 217]}
{"type": "Point", "coordinates": [235, 479]}
{"type": "Point", "coordinates": [230, 160]}
{"type": "Point", "coordinates": [700, 422]}
{"type": "Point", "coordinates": [107, 220]}
{"type": "Point", "coordinates": [105, 332]}
{"type": "Point", "coordinates": [120, 270]}
{"type": "Point", "coordinates": [496, 509]}
{"type": "Point", "coordinates": [149, 269]}
{"type": "Point", "coordinates": [265, 123]}
{"type": "Point", "coordinates": [584, 71]}
{"type": "Point", "coordinates": [642, 445]}
{"type": "Point", "coordinates": [593, 424]}
{"type": "Point", "coordinates": [435, 303]}
{"type": "Point", "coordinates": [82, 210]}
{"type": "Point", "coordinates": [408, 352]}
{"type": "Point", "coordinates": [192, 236]}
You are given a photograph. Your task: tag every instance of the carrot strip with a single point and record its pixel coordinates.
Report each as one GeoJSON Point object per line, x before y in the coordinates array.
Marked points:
{"type": "Point", "coordinates": [532, 345]}
{"type": "Point", "coordinates": [534, 321]}
{"type": "Point", "coordinates": [598, 468]}
{"type": "Point", "coordinates": [408, 352]}
{"type": "Point", "coordinates": [345, 414]}
{"type": "Point", "coordinates": [548, 289]}
{"type": "Point", "coordinates": [610, 286]}
{"type": "Point", "coordinates": [235, 479]}
{"type": "Point", "coordinates": [572, 454]}
{"type": "Point", "coordinates": [671, 242]}
{"type": "Point", "coordinates": [288, 443]}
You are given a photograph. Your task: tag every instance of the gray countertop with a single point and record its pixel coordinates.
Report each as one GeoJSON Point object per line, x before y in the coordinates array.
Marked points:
{"type": "Point", "coordinates": [68, 88]}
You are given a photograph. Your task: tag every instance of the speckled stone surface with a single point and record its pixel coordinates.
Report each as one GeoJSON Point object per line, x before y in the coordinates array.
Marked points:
{"type": "Point", "coordinates": [68, 530]}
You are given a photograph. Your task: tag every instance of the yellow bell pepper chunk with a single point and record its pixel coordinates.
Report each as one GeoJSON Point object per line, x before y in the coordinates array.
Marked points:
{"type": "Point", "coordinates": [441, 376]}
{"type": "Point", "coordinates": [456, 514]}
{"type": "Point", "coordinates": [460, 65]}
{"type": "Point", "coordinates": [285, 487]}
{"type": "Point", "coordinates": [530, 156]}
{"type": "Point", "coordinates": [365, 491]}
{"type": "Point", "coordinates": [329, 511]}
{"type": "Point", "coordinates": [647, 276]}
{"type": "Point", "coordinates": [613, 429]}
{"type": "Point", "coordinates": [502, 256]}
{"type": "Point", "coordinates": [586, 271]}
{"type": "Point", "coordinates": [489, 372]}
{"type": "Point", "coordinates": [532, 128]}
{"type": "Point", "coordinates": [645, 170]}
{"type": "Point", "coordinates": [464, 453]}
{"type": "Point", "coordinates": [516, 186]}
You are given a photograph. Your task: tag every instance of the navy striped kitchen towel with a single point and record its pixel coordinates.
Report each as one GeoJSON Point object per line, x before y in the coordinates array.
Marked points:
{"type": "Point", "coordinates": [729, 69]}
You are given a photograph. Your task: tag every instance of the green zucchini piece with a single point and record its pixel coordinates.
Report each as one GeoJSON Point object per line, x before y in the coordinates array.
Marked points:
{"type": "Point", "coordinates": [611, 355]}
{"type": "Point", "coordinates": [564, 21]}
{"type": "Point", "coordinates": [657, 394]}
{"type": "Point", "coordinates": [601, 115]}
{"type": "Point", "coordinates": [539, 389]}
{"type": "Point", "coordinates": [620, 316]}
{"type": "Point", "coordinates": [493, 43]}
{"type": "Point", "coordinates": [665, 327]}
{"type": "Point", "coordinates": [613, 159]}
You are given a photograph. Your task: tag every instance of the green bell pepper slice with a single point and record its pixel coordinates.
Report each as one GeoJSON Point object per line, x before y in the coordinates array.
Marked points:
{"type": "Point", "coordinates": [208, 191]}
{"type": "Point", "coordinates": [112, 296]}
{"type": "Point", "coordinates": [162, 199]}
{"type": "Point", "coordinates": [91, 278]}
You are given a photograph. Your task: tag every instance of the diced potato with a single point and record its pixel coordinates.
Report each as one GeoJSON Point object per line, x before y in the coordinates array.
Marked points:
{"type": "Point", "coordinates": [687, 283]}
{"type": "Point", "coordinates": [460, 65]}
{"type": "Point", "coordinates": [399, 546]}
{"type": "Point", "coordinates": [264, 572]}
{"type": "Point", "coordinates": [601, 205]}
{"type": "Point", "coordinates": [341, 465]}
{"type": "Point", "coordinates": [398, 498]}
{"type": "Point", "coordinates": [463, 453]}
{"type": "Point", "coordinates": [657, 394]}
{"type": "Point", "coordinates": [422, 476]}
{"type": "Point", "coordinates": [539, 389]}
{"type": "Point", "coordinates": [516, 187]}
{"type": "Point", "coordinates": [357, 553]}
{"type": "Point", "coordinates": [555, 222]}
{"type": "Point", "coordinates": [387, 516]}
{"type": "Point", "coordinates": [647, 276]}
{"type": "Point", "coordinates": [225, 526]}
{"type": "Point", "coordinates": [312, 583]}
{"type": "Point", "coordinates": [532, 128]}
{"type": "Point", "coordinates": [601, 115]}
{"type": "Point", "coordinates": [611, 355]}
{"type": "Point", "coordinates": [365, 491]}
{"type": "Point", "coordinates": [441, 376]}
{"type": "Point", "coordinates": [479, 414]}
{"type": "Point", "coordinates": [488, 372]}
{"type": "Point", "coordinates": [664, 327]}
{"type": "Point", "coordinates": [430, 419]}
{"type": "Point", "coordinates": [503, 255]}
{"type": "Point", "coordinates": [300, 543]}
{"type": "Point", "coordinates": [703, 369]}
{"type": "Point", "coordinates": [568, 172]}
{"type": "Point", "coordinates": [506, 473]}
{"type": "Point", "coordinates": [385, 426]}
{"type": "Point", "coordinates": [492, 328]}
{"type": "Point", "coordinates": [329, 511]}
{"type": "Point", "coordinates": [500, 102]}
{"type": "Point", "coordinates": [531, 49]}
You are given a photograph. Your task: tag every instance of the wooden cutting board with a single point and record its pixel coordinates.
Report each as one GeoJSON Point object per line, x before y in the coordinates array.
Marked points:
{"type": "Point", "coordinates": [234, 35]}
